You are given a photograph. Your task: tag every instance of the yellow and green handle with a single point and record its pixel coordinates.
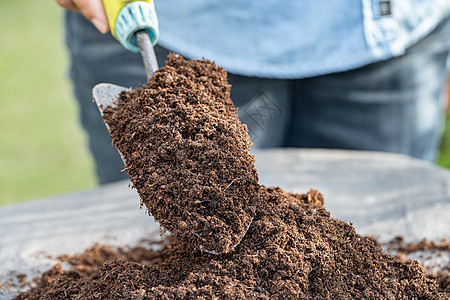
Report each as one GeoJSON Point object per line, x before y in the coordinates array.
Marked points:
{"type": "Point", "coordinates": [127, 17]}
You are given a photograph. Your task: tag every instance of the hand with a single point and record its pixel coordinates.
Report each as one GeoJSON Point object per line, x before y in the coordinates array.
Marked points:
{"type": "Point", "coordinates": [92, 9]}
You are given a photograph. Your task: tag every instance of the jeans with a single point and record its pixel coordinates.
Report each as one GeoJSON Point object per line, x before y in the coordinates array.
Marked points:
{"type": "Point", "coordinates": [395, 105]}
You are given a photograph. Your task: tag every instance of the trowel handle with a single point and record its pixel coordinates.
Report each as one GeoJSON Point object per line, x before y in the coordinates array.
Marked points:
{"type": "Point", "coordinates": [125, 18]}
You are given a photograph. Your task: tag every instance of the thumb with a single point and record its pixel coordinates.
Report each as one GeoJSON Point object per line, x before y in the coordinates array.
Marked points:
{"type": "Point", "coordinates": [93, 10]}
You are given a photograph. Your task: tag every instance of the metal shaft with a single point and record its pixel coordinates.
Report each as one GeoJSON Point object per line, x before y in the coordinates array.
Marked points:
{"type": "Point", "coordinates": [147, 53]}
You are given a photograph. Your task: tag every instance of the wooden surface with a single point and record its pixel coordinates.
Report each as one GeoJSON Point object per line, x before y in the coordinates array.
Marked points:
{"type": "Point", "coordinates": [381, 194]}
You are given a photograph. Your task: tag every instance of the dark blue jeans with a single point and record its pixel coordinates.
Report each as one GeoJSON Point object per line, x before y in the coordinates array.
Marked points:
{"type": "Point", "coordinates": [395, 105]}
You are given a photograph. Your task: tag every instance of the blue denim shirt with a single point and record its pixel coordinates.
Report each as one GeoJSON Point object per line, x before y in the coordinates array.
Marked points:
{"type": "Point", "coordinates": [295, 39]}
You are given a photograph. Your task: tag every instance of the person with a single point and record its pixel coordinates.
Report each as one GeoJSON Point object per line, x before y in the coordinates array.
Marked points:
{"type": "Point", "coordinates": [364, 75]}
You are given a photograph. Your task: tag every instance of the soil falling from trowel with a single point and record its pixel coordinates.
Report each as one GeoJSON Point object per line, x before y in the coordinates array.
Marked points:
{"type": "Point", "coordinates": [187, 153]}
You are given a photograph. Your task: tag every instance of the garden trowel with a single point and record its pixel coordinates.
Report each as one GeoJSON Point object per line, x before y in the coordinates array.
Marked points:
{"type": "Point", "coordinates": [135, 25]}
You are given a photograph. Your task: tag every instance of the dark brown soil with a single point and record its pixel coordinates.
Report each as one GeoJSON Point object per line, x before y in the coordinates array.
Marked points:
{"type": "Point", "coordinates": [401, 247]}
{"type": "Point", "coordinates": [188, 157]}
{"type": "Point", "coordinates": [293, 249]}
{"type": "Point", "coordinates": [429, 253]}
{"type": "Point", "coordinates": [187, 153]}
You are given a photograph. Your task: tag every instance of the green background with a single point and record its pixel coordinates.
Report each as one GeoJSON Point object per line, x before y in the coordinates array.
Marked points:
{"type": "Point", "coordinates": [43, 150]}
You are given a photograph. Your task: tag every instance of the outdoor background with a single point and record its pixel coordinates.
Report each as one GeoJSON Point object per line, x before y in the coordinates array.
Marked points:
{"type": "Point", "coordinates": [43, 150]}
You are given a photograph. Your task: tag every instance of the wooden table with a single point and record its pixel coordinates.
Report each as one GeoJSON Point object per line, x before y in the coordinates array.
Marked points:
{"type": "Point", "coordinates": [381, 194]}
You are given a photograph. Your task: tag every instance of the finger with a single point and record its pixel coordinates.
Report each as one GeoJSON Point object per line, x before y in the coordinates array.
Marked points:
{"type": "Point", "coordinates": [93, 10]}
{"type": "Point", "coordinates": [67, 4]}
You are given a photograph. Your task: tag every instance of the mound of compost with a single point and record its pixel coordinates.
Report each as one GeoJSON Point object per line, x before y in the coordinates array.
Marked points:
{"type": "Point", "coordinates": [187, 153]}
{"type": "Point", "coordinates": [293, 250]}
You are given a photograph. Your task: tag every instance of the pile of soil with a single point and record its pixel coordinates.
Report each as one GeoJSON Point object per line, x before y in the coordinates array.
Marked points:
{"type": "Point", "coordinates": [293, 249]}
{"type": "Point", "coordinates": [187, 153]}
{"type": "Point", "coordinates": [191, 165]}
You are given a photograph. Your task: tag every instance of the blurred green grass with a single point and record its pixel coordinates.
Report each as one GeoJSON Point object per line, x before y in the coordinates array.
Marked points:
{"type": "Point", "coordinates": [43, 150]}
{"type": "Point", "coordinates": [444, 158]}
{"type": "Point", "coordinates": [42, 147]}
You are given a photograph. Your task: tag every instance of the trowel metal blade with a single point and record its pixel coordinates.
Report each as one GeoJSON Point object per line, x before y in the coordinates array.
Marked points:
{"type": "Point", "coordinates": [105, 94]}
